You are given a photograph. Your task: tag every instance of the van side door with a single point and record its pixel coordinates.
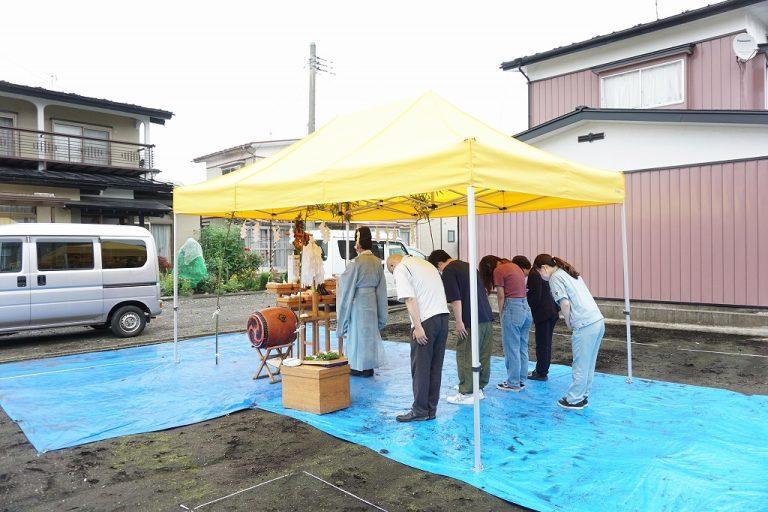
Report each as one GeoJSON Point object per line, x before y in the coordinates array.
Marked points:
{"type": "Point", "coordinates": [129, 272]}
{"type": "Point", "coordinates": [14, 283]}
{"type": "Point", "coordinates": [66, 281]}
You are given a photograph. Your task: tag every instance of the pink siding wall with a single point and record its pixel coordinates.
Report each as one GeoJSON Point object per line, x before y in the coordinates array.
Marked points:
{"type": "Point", "coordinates": [696, 235]}
{"type": "Point", "coordinates": [714, 80]}
{"type": "Point", "coordinates": [556, 96]}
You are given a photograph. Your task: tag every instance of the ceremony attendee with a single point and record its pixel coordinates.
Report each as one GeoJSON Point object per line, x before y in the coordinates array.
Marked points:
{"type": "Point", "coordinates": [544, 312]}
{"type": "Point", "coordinates": [508, 280]}
{"type": "Point", "coordinates": [583, 316]}
{"type": "Point", "coordinates": [455, 275]}
{"type": "Point", "coordinates": [361, 307]}
{"type": "Point", "coordinates": [419, 285]}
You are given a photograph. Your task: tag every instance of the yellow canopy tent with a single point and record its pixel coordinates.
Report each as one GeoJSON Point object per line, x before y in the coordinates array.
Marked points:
{"type": "Point", "coordinates": [404, 160]}
{"type": "Point", "coordinates": [380, 156]}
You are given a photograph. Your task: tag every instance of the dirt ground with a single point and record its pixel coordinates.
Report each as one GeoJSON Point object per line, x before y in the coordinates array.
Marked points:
{"type": "Point", "coordinates": [255, 460]}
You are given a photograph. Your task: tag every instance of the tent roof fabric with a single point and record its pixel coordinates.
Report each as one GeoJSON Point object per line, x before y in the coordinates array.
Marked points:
{"type": "Point", "coordinates": [399, 161]}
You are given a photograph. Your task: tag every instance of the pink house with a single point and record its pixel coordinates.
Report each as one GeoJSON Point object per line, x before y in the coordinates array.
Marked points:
{"type": "Point", "coordinates": [670, 104]}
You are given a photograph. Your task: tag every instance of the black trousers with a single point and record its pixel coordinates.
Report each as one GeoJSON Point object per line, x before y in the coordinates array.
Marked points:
{"type": "Point", "coordinates": [544, 332]}
{"type": "Point", "coordinates": [427, 365]}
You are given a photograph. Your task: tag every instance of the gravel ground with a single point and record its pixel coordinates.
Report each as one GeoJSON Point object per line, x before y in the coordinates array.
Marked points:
{"type": "Point", "coordinates": [195, 319]}
{"type": "Point", "coordinates": [194, 465]}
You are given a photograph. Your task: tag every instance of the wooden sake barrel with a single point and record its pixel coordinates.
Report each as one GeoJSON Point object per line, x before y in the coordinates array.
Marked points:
{"type": "Point", "coordinates": [271, 327]}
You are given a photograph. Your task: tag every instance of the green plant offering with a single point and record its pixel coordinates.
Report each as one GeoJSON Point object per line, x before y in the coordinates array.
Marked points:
{"type": "Point", "coordinates": [322, 356]}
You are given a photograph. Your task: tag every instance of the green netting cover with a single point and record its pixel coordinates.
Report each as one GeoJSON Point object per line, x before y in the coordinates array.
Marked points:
{"type": "Point", "coordinates": [191, 262]}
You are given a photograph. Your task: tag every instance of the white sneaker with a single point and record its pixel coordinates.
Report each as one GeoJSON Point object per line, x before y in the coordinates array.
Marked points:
{"type": "Point", "coordinates": [461, 399]}
{"type": "Point", "coordinates": [456, 387]}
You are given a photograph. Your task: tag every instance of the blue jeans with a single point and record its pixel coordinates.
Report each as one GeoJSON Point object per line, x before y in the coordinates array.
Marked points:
{"type": "Point", "coordinates": [516, 322]}
{"type": "Point", "coordinates": [585, 345]}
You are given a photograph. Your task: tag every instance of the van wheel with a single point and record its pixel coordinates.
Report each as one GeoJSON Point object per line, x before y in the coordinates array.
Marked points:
{"type": "Point", "coordinates": [128, 321]}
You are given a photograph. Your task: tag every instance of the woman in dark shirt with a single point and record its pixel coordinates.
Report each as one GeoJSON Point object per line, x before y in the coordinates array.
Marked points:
{"type": "Point", "coordinates": [545, 315]}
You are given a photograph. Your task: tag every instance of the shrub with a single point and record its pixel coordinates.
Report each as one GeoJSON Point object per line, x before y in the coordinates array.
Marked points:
{"type": "Point", "coordinates": [226, 252]}
{"type": "Point", "coordinates": [166, 285]}
{"type": "Point", "coordinates": [263, 280]}
{"type": "Point", "coordinates": [233, 284]}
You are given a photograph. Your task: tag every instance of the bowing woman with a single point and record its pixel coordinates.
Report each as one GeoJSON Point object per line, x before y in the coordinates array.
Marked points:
{"type": "Point", "coordinates": [361, 307]}
{"type": "Point", "coordinates": [582, 316]}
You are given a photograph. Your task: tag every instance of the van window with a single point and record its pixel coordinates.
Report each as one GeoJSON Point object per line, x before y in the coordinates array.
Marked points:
{"type": "Point", "coordinates": [10, 257]}
{"type": "Point", "coordinates": [123, 253]}
{"type": "Point", "coordinates": [64, 255]}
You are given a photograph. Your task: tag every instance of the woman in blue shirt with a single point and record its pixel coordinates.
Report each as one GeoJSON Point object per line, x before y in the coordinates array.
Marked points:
{"type": "Point", "coordinates": [582, 316]}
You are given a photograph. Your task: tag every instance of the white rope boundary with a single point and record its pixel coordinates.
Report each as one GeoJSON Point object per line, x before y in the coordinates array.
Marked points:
{"type": "Point", "coordinates": [198, 507]}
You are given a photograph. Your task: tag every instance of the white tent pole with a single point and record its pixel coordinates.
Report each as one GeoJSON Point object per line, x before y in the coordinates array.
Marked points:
{"type": "Point", "coordinates": [474, 330]}
{"type": "Point", "coordinates": [175, 295]}
{"type": "Point", "coordinates": [626, 290]}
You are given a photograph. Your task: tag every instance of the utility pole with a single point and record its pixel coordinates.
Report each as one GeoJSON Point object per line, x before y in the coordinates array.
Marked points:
{"type": "Point", "coordinates": [312, 71]}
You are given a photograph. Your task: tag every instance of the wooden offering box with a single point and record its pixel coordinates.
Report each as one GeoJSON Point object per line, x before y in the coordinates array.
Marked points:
{"type": "Point", "coordinates": [316, 389]}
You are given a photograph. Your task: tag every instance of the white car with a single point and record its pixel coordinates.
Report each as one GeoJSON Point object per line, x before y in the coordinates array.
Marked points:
{"type": "Point", "coordinates": [334, 255]}
{"type": "Point", "coordinates": [416, 253]}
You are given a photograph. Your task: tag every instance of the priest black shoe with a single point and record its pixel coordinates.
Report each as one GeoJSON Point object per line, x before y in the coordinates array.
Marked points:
{"type": "Point", "coordinates": [410, 416]}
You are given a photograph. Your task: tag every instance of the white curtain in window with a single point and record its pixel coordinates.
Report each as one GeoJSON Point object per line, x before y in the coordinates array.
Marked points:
{"type": "Point", "coordinates": [662, 85]}
{"type": "Point", "coordinates": [621, 91]}
{"type": "Point", "coordinates": [162, 234]}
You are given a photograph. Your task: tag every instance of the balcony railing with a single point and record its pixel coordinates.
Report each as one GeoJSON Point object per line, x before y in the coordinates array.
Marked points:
{"type": "Point", "coordinates": [73, 151]}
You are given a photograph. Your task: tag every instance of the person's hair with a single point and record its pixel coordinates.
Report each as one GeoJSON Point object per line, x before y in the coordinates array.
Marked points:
{"type": "Point", "coordinates": [522, 262]}
{"type": "Point", "coordinates": [554, 261]}
{"type": "Point", "coordinates": [486, 267]}
{"type": "Point", "coordinates": [438, 256]}
{"type": "Point", "coordinates": [364, 238]}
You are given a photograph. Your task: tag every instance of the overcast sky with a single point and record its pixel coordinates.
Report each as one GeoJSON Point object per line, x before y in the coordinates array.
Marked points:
{"type": "Point", "coordinates": [234, 72]}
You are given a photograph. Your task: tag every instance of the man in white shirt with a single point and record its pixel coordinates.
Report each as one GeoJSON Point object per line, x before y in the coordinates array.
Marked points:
{"type": "Point", "coordinates": [419, 284]}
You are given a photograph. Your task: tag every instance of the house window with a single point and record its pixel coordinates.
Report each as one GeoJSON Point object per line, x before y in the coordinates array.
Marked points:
{"type": "Point", "coordinates": [7, 135]}
{"type": "Point", "coordinates": [451, 236]}
{"type": "Point", "coordinates": [649, 87]}
{"type": "Point", "coordinates": [229, 168]}
{"type": "Point", "coordinates": [70, 147]}
{"type": "Point", "coordinates": [10, 213]}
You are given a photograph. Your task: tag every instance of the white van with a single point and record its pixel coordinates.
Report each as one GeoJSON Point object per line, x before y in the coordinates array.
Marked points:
{"type": "Point", "coordinates": [334, 255]}
{"type": "Point", "coordinates": [56, 275]}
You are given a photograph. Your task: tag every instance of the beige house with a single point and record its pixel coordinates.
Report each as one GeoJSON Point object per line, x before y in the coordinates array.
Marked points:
{"type": "Point", "coordinates": [71, 158]}
{"type": "Point", "coordinates": [259, 236]}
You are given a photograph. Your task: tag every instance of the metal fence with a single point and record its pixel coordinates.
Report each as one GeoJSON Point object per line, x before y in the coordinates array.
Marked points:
{"type": "Point", "coordinates": [23, 144]}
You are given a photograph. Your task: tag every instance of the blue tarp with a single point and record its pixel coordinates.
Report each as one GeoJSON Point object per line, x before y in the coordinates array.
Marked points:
{"type": "Point", "coordinates": [646, 446]}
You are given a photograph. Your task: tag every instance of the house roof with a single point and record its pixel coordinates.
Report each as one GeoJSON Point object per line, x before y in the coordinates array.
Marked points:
{"type": "Point", "coordinates": [643, 28]}
{"type": "Point", "coordinates": [81, 180]}
{"type": "Point", "coordinates": [646, 116]}
{"type": "Point", "coordinates": [101, 203]}
{"type": "Point", "coordinates": [241, 147]}
{"type": "Point", "coordinates": [156, 115]}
